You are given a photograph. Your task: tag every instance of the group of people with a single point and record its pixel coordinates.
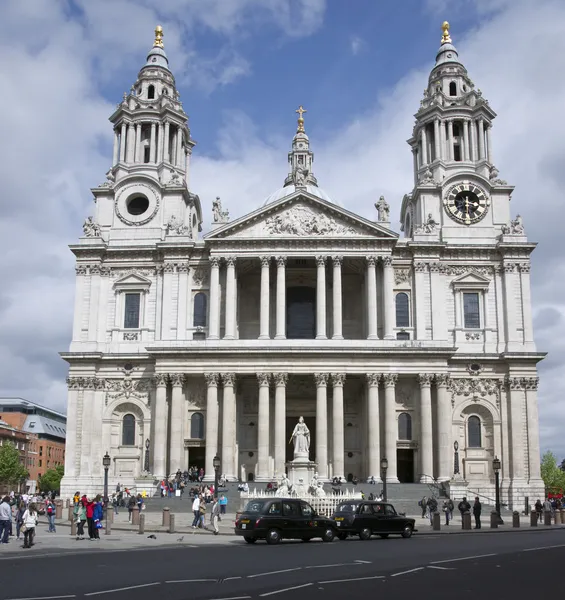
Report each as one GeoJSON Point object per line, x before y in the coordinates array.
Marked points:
{"type": "Point", "coordinates": [180, 480]}
{"type": "Point", "coordinates": [88, 512]}
{"type": "Point", "coordinates": [548, 505]}
{"type": "Point", "coordinates": [199, 509]}
{"type": "Point", "coordinates": [430, 506]}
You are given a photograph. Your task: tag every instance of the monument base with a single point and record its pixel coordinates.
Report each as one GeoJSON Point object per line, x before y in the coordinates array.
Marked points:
{"type": "Point", "coordinates": [300, 473]}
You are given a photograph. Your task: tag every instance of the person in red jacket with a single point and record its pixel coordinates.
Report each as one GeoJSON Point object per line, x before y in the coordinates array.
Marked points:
{"type": "Point", "coordinates": [89, 515]}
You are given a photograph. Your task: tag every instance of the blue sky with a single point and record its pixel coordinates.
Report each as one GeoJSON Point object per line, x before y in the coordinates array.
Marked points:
{"type": "Point", "coordinates": [243, 67]}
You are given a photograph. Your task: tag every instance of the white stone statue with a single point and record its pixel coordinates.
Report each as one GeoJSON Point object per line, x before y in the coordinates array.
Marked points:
{"type": "Point", "coordinates": [90, 228]}
{"type": "Point", "coordinates": [383, 209]}
{"type": "Point", "coordinates": [430, 224]}
{"type": "Point", "coordinates": [220, 216]}
{"type": "Point", "coordinates": [300, 175]}
{"type": "Point", "coordinates": [301, 438]}
{"type": "Point", "coordinates": [517, 226]}
{"type": "Point", "coordinates": [284, 486]}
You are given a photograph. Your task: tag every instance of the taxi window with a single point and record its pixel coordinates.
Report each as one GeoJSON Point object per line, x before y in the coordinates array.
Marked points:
{"type": "Point", "coordinates": [307, 510]}
{"type": "Point", "coordinates": [378, 509]}
{"type": "Point", "coordinates": [389, 510]}
{"type": "Point", "coordinates": [255, 506]}
{"type": "Point", "coordinates": [366, 509]}
{"type": "Point", "coordinates": [274, 509]}
{"type": "Point", "coordinates": [290, 509]}
{"type": "Point", "coordinates": [347, 508]}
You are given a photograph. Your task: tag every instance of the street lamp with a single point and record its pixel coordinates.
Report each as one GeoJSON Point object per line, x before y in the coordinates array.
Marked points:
{"type": "Point", "coordinates": [216, 462]}
{"type": "Point", "coordinates": [146, 465]}
{"type": "Point", "coordinates": [496, 468]}
{"type": "Point", "coordinates": [384, 467]}
{"type": "Point", "coordinates": [106, 461]}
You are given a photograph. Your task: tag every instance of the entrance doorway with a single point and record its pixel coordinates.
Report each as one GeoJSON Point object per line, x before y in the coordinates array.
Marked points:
{"type": "Point", "coordinates": [301, 313]}
{"type": "Point", "coordinates": [311, 424]}
{"type": "Point", "coordinates": [197, 457]}
{"type": "Point", "coordinates": [405, 465]}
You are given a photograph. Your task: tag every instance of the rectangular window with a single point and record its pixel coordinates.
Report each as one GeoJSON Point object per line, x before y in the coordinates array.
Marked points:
{"type": "Point", "coordinates": [471, 310]}
{"type": "Point", "coordinates": [131, 312]}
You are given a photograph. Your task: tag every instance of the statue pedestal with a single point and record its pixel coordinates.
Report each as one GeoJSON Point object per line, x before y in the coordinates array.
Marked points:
{"type": "Point", "coordinates": [300, 473]}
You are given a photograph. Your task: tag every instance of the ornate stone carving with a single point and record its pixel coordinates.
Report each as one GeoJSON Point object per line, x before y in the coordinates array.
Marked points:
{"type": "Point", "coordinates": [280, 378]}
{"type": "Point", "coordinates": [90, 228]}
{"type": "Point", "coordinates": [175, 227]}
{"type": "Point", "coordinates": [127, 387]}
{"type": "Point", "coordinates": [371, 261]}
{"type": "Point", "coordinates": [373, 379]}
{"type": "Point", "coordinates": [177, 379]}
{"type": "Point", "coordinates": [475, 369]}
{"type": "Point", "coordinates": [201, 276]}
{"type": "Point", "coordinates": [321, 379]}
{"type": "Point", "coordinates": [230, 261]}
{"type": "Point", "coordinates": [476, 386]}
{"type": "Point", "coordinates": [321, 261]}
{"type": "Point", "coordinates": [442, 380]}
{"type": "Point", "coordinates": [515, 383]}
{"type": "Point", "coordinates": [402, 276]}
{"type": "Point", "coordinates": [338, 379]}
{"type": "Point", "coordinates": [301, 220]}
{"type": "Point", "coordinates": [95, 269]}
{"type": "Point", "coordinates": [337, 261]}
{"type": "Point", "coordinates": [387, 261]}
{"type": "Point", "coordinates": [473, 336]}
{"type": "Point", "coordinates": [215, 261]}
{"type": "Point", "coordinates": [531, 383]}
{"type": "Point", "coordinates": [110, 180]}
{"type": "Point", "coordinates": [510, 267]}
{"type": "Point", "coordinates": [420, 266]}
{"type": "Point", "coordinates": [428, 226]}
{"type": "Point", "coordinates": [81, 269]}
{"type": "Point", "coordinates": [183, 268]}
{"type": "Point", "coordinates": [105, 272]}
{"type": "Point", "coordinates": [219, 215]}
{"type": "Point", "coordinates": [75, 383]}
{"type": "Point", "coordinates": [228, 379]}
{"type": "Point", "coordinates": [169, 267]}
{"type": "Point", "coordinates": [390, 379]}
{"type": "Point", "coordinates": [493, 177]}
{"type": "Point", "coordinates": [131, 336]}
{"type": "Point", "coordinates": [435, 267]}
{"type": "Point", "coordinates": [516, 227]}
{"type": "Point", "coordinates": [383, 210]}
{"type": "Point", "coordinates": [212, 379]}
{"type": "Point", "coordinates": [160, 379]}
{"type": "Point", "coordinates": [263, 379]}
{"type": "Point", "coordinates": [524, 267]}
{"type": "Point", "coordinates": [425, 379]}
{"type": "Point", "coordinates": [265, 261]}
{"type": "Point", "coordinates": [281, 261]}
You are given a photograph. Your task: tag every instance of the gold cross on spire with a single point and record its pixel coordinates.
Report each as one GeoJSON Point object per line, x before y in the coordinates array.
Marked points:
{"type": "Point", "coordinates": [158, 37]}
{"type": "Point", "coordinates": [445, 38]}
{"type": "Point", "coordinates": [300, 111]}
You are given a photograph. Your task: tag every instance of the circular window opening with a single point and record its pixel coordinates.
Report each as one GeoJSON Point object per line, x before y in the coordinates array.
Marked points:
{"type": "Point", "coordinates": [137, 205]}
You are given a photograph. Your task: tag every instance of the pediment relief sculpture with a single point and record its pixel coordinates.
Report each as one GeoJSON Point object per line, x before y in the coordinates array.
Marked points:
{"type": "Point", "coordinates": [302, 220]}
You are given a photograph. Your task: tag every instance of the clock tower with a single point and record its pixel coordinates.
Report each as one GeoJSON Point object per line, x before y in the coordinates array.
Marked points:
{"type": "Point", "coordinates": [457, 195]}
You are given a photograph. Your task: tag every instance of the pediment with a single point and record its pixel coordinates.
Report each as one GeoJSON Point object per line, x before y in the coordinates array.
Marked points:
{"type": "Point", "coordinates": [472, 279]}
{"type": "Point", "coordinates": [132, 281]}
{"type": "Point", "coordinates": [301, 215]}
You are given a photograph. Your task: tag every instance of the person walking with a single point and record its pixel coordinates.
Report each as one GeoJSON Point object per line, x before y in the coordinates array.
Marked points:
{"type": "Point", "coordinates": [50, 510]}
{"type": "Point", "coordinates": [20, 518]}
{"type": "Point", "coordinates": [97, 516]}
{"type": "Point", "coordinates": [423, 504]}
{"type": "Point", "coordinates": [5, 519]}
{"type": "Point", "coordinates": [223, 504]}
{"type": "Point", "coordinates": [132, 502]}
{"type": "Point", "coordinates": [202, 519]}
{"type": "Point", "coordinates": [432, 508]}
{"type": "Point", "coordinates": [29, 524]}
{"type": "Point", "coordinates": [477, 507]}
{"type": "Point", "coordinates": [215, 516]}
{"type": "Point", "coordinates": [79, 513]}
{"type": "Point", "coordinates": [196, 511]}
{"type": "Point", "coordinates": [539, 510]}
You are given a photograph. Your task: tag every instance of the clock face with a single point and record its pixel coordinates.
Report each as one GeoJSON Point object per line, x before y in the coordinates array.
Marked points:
{"type": "Point", "coordinates": [466, 203]}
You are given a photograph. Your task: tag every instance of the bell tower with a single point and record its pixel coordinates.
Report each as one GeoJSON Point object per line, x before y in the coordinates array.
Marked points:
{"type": "Point", "coordinates": [457, 194]}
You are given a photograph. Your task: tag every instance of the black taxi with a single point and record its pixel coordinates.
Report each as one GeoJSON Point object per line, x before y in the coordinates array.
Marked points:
{"type": "Point", "coordinates": [366, 518]}
{"type": "Point", "coordinates": [274, 519]}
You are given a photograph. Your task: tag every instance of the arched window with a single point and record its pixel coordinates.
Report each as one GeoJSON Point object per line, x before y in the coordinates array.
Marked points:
{"type": "Point", "coordinates": [402, 310]}
{"type": "Point", "coordinates": [151, 92]}
{"type": "Point", "coordinates": [200, 309]}
{"type": "Point", "coordinates": [128, 430]}
{"type": "Point", "coordinates": [474, 432]}
{"type": "Point", "coordinates": [453, 89]}
{"type": "Point", "coordinates": [197, 426]}
{"type": "Point", "coordinates": [404, 426]}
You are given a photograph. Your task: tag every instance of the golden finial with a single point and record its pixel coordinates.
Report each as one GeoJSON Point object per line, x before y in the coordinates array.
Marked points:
{"type": "Point", "coordinates": [445, 39]}
{"type": "Point", "coordinates": [300, 111]}
{"type": "Point", "coordinates": [158, 37]}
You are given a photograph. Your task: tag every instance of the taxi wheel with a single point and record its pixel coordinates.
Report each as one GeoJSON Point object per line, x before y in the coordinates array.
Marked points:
{"type": "Point", "coordinates": [328, 535]}
{"type": "Point", "coordinates": [383, 535]}
{"type": "Point", "coordinates": [250, 540]}
{"type": "Point", "coordinates": [273, 536]}
{"type": "Point", "coordinates": [407, 531]}
{"type": "Point", "coordinates": [342, 536]}
{"type": "Point", "coordinates": [365, 533]}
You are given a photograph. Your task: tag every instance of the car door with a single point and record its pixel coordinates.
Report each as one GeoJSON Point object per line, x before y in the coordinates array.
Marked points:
{"type": "Point", "coordinates": [365, 518]}
{"type": "Point", "coordinates": [292, 518]}
{"type": "Point", "coordinates": [390, 521]}
{"type": "Point", "coordinates": [379, 518]}
{"type": "Point", "coordinates": [309, 525]}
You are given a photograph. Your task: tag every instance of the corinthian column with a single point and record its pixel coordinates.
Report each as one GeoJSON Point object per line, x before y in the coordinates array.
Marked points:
{"type": "Point", "coordinates": [263, 428]}
{"type": "Point", "coordinates": [123, 142]}
{"type": "Point", "coordinates": [228, 426]}
{"type": "Point", "coordinates": [166, 156]}
{"type": "Point", "coordinates": [214, 327]}
{"type": "Point", "coordinates": [230, 299]}
{"type": "Point", "coordinates": [372, 297]}
{"type": "Point", "coordinates": [153, 143]}
{"type": "Point", "coordinates": [281, 299]}
{"type": "Point", "coordinates": [426, 442]}
{"type": "Point", "coordinates": [388, 297]}
{"type": "Point", "coordinates": [264, 304]}
{"type": "Point", "coordinates": [391, 426]}
{"type": "Point", "coordinates": [322, 423]}
{"type": "Point", "coordinates": [280, 422]}
{"type": "Point", "coordinates": [481, 136]}
{"type": "Point", "coordinates": [176, 451]}
{"type": "Point", "coordinates": [212, 423]}
{"type": "Point", "coordinates": [337, 296]}
{"type": "Point", "coordinates": [374, 425]}
{"type": "Point", "coordinates": [444, 427]}
{"type": "Point", "coordinates": [338, 380]}
{"type": "Point", "coordinates": [321, 298]}
{"type": "Point", "coordinates": [160, 429]}
{"type": "Point", "coordinates": [130, 143]}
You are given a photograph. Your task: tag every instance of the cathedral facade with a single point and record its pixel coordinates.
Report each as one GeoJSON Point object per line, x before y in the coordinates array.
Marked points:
{"type": "Point", "coordinates": [416, 347]}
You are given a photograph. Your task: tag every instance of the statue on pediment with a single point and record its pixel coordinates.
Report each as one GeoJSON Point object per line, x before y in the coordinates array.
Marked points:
{"type": "Point", "coordinates": [90, 228]}
{"type": "Point", "coordinates": [383, 210]}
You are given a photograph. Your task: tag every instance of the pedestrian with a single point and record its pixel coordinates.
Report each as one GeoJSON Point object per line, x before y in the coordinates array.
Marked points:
{"type": "Point", "coordinates": [547, 508]}
{"type": "Point", "coordinates": [215, 516]}
{"type": "Point", "coordinates": [5, 519]}
{"type": "Point", "coordinates": [449, 511]}
{"type": "Point", "coordinates": [20, 518]}
{"type": "Point", "coordinates": [140, 504]}
{"type": "Point", "coordinates": [432, 507]}
{"type": "Point", "coordinates": [423, 504]}
{"type": "Point", "coordinates": [115, 503]}
{"type": "Point", "coordinates": [202, 510]}
{"type": "Point", "coordinates": [131, 505]}
{"type": "Point", "coordinates": [89, 516]}
{"type": "Point", "coordinates": [539, 510]}
{"type": "Point", "coordinates": [464, 507]}
{"type": "Point", "coordinates": [97, 516]}
{"type": "Point", "coordinates": [196, 511]}
{"type": "Point", "coordinates": [477, 507]}
{"type": "Point", "coordinates": [29, 524]}
{"type": "Point", "coordinates": [50, 510]}
{"type": "Point", "coordinates": [79, 514]}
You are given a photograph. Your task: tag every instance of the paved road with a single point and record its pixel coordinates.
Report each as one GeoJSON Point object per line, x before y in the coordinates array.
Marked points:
{"type": "Point", "coordinates": [494, 565]}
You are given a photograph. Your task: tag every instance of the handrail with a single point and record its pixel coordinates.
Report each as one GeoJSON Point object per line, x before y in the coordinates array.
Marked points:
{"type": "Point", "coordinates": [440, 485]}
{"type": "Point", "coordinates": [492, 500]}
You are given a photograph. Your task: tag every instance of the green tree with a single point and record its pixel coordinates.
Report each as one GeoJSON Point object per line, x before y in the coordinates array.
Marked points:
{"type": "Point", "coordinates": [51, 479]}
{"type": "Point", "coordinates": [552, 475]}
{"type": "Point", "coordinates": [11, 468]}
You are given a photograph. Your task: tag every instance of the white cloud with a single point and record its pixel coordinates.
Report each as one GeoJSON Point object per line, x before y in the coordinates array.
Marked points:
{"type": "Point", "coordinates": [356, 44]}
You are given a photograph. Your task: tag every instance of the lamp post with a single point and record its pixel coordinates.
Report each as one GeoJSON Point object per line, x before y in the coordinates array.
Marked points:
{"type": "Point", "coordinates": [384, 467]}
{"type": "Point", "coordinates": [146, 465]}
{"type": "Point", "coordinates": [216, 462]}
{"type": "Point", "coordinates": [456, 458]}
{"type": "Point", "coordinates": [106, 461]}
{"type": "Point", "coordinates": [496, 469]}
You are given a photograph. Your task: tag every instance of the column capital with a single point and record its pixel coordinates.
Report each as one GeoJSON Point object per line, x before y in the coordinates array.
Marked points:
{"type": "Point", "coordinates": [387, 260]}
{"type": "Point", "coordinates": [442, 380]}
{"type": "Point", "coordinates": [177, 379]}
{"type": "Point", "coordinates": [373, 379]}
{"type": "Point", "coordinates": [338, 379]}
{"type": "Point", "coordinates": [390, 379]}
{"type": "Point", "coordinates": [281, 379]}
{"type": "Point", "coordinates": [425, 380]}
{"type": "Point", "coordinates": [263, 379]}
{"type": "Point", "coordinates": [371, 261]}
{"type": "Point", "coordinates": [321, 379]}
{"type": "Point", "coordinates": [337, 261]}
{"type": "Point", "coordinates": [281, 261]}
{"type": "Point", "coordinates": [228, 379]}
{"type": "Point", "coordinates": [265, 261]}
{"type": "Point", "coordinates": [212, 379]}
{"type": "Point", "coordinates": [531, 383]}
{"type": "Point", "coordinates": [214, 261]}
{"type": "Point", "coordinates": [420, 266]}
{"type": "Point", "coordinates": [161, 379]}
{"type": "Point", "coordinates": [515, 383]}
{"type": "Point", "coordinates": [321, 260]}
{"type": "Point", "coordinates": [230, 261]}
